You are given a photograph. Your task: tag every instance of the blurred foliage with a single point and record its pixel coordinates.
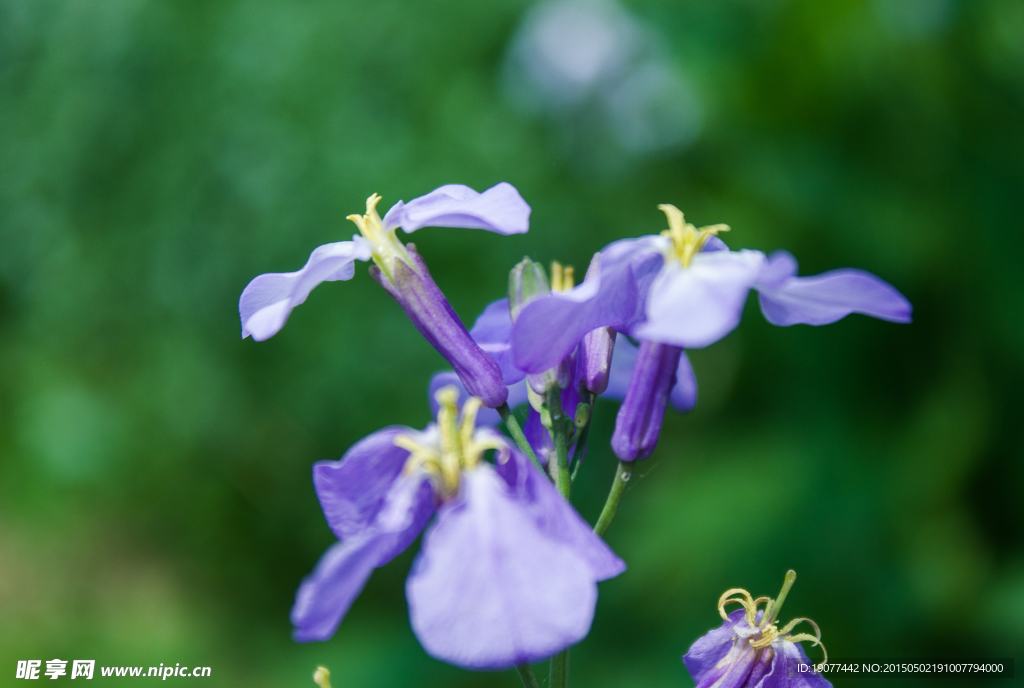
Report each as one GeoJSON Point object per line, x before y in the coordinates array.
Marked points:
{"type": "Point", "coordinates": [156, 499]}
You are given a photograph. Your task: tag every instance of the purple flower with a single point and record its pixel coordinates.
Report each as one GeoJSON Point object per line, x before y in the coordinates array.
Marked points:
{"type": "Point", "coordinates": [268, 299]}
{"type": "Point", "coordinates": [750, 651]}
{"type": "Point", "coordinates": [508, 571]}
{"type": "Point", "coordinates": [685, 288]}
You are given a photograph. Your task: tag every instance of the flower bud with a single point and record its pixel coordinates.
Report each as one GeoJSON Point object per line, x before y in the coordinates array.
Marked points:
{"type": "Point", "coordinates": [639, 421]}
{"type": "Point", "coordinates": [526, 281]}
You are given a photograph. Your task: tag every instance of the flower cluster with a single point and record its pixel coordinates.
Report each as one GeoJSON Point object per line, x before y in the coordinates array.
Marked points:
{"type": "Point", "coordinates": [507, 572]}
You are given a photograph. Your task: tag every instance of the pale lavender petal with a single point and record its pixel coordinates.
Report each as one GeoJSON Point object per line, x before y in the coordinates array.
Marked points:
{"type": "Point", "coordinates": [710, 648]}
{"type": "Point", "coordinates": [684, 393]}
{"type": "Point", "coordinates": [415, 291]}
{"type": "Point", "coordinates": [407, 508]}
{"type": "Point", "coordinates": [549, 328]}
{"type": "Point", "coordinates": [489, 590]}
{"type": "Point", "coordinates": [492, 331]}
{"type": "Point", "coordinates": [780, 267]}
{"type": "Point", "coordinates": [828, 297]}
{"type": "Point", "coordinates": [696, 306]}
{"type": "Point", "coordinates": [498, 209]}
{"type": "Point", "coordinates": [623, 360]}
{"type": "Point", "coordinates": [556, 517]}
{"type": "Point", "coordinates": [486, 416]}
{"type": "Point", "coordinates": [268, 299]}
{"type": "Point", "coordinates": [325, 596]}
{"type": "Point", "coordinates": [352, 490]}
{"type": "Point", "coordinates": [714, 244]}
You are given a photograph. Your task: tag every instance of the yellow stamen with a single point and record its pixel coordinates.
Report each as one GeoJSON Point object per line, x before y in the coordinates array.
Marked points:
{"type": "Point", "coordinates": [769, 631]}
{"type": "Point", "coordinates": [562, 277]}
{"type": "Point", "coordinates": [385, 245]}
{"type": "Point", "coordinates": [322, 677]}
{"type": "Point", "coordinates": [458, 445]}
{"type": "Point", "coordinates": [687, 240]}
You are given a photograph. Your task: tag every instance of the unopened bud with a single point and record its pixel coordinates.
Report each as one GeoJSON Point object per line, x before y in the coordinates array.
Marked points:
{"type": "Point", "coordinates": [582, 415]}
{"type": "Point", "coordinates": [526, 281]}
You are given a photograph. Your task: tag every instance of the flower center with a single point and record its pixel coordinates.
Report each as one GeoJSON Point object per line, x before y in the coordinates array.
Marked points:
{"type": "Point", "coordinates": [765, 630]}
{"type": "Point", "coordinates": [385, 245]}
{"type": "Point", "coordinates": [457, 445]}
{"type": "Point", "coordinates": [687, 240]}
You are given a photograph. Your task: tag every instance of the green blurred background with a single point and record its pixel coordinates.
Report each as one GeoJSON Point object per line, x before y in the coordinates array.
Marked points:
{"type": "Point", "coordinates": [155, 468]}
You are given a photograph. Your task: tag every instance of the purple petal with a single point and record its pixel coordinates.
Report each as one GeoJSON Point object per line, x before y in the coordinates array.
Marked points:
{"type": "Point", "coordinates": [268, 299]}
{"type": "Point", "coordinates": [416, 292]}
{"type": "Point", "coordinates": [696, 306]}
{"type": "Point", "coordinates": [407, 509]}
{"type": "Point", "coordinates": [538, 437]}
{"type": "Point", "coordinates": [638, 423]}
{"type": "Point", "coordinates": [556, 517]}
{"type": "Point", "coordinates": [492, 331]}
{"type": "Point", "coordinates": [352, 490]}
{"type": "Point", "coordinates": [593, 363]}
{"type": "Point", "coordinates": [714, 244]}
{"type": "Point", "coordinates": [623, 360]}
{"type": "Point", "coordinates": [498, 209]}
{"type": "Point", "coordinates": [684, 393]}
{"type": "Point", "coordinates": [326, 595]}
{"type": "Point", "coordinates": [489, 590]}
{"type": "Point", "coordinates": [711, 647]}
{"type": "Point", "coordinates": [828, 297]}
{"type": "Point", "coordinates": [486, 416]}
{"type": "Point", "coordinates": [789, 653]}
{"type": "Point", "coordinates": [549, 328]}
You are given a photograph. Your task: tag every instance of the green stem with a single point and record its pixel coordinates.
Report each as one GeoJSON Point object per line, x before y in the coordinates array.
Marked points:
{"type": "Point", "coordinates": [558, 434]}
{"type": "Point", "coordinates": [611, 505]}
{"type": "Point", "coordinates": [527, 676]}
{"type": "Point", "coordinates": [581, 448]}
{"type": "Point", "coordinates": [512, 424]}
{"type": "Point", "coordinates": [559, 674]}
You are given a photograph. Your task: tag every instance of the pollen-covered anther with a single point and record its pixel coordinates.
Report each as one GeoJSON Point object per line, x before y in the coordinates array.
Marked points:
{"type": "Point", "coordinates": [562, 277]}
{"type": "Point", "coordinates": [384, 244]}
{"type": "Point", "coordinates": [687, 240]}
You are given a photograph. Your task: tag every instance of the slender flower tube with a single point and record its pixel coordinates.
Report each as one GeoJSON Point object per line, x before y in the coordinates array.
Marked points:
{"type": "Point", "coordinates": [639, 420]}
{"type": "Point", "coordinates": [749, 650]}
{"type": "Point", "coordinates": [508, 571]}
{"type": "Point", "coordinates": [268, 300]}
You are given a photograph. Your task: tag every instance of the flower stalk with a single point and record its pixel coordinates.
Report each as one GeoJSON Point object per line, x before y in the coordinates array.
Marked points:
{"type": "Point", "coordinates": [559, 435]}
{"type": "Point", "coordinates": [622, 475]}
{"type": "Point", "coordinates": [514, 429]}
{"type": "Point", "coordinates": [527, 676]}
{"type": "Point", "coordinates": [558, 676]}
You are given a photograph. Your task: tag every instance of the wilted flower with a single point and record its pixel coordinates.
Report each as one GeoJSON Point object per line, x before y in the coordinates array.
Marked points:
{"type": "Point", "coordinates": [508, 571]}
{"type": "Point", "coordinates": [268, 299]}
{"type": "Point", "coordinates": [749, 650]}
